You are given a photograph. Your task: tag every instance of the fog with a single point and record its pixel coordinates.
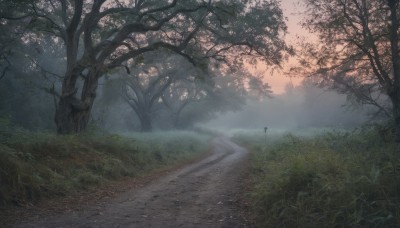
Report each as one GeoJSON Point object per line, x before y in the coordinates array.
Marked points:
{"type": "Point", "coordinates": [304, 106]}
{"type": "Point", "coordinates": [297, 108]}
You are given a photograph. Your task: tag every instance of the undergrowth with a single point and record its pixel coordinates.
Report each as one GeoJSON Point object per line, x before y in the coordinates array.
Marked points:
{"type": "Point", "coordinates": [37, 165]}
{"type": "Point", "coordinates": [334, 179]}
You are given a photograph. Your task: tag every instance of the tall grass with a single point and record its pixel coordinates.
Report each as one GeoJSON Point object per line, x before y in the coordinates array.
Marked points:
{"type": "Point", "coordinates": [334, 179]}
{"type": "Point", "coordinates": [36, 165]}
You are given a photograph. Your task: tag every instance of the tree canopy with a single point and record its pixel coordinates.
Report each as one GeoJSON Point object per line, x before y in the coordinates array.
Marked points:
{"type": "Point", "coordinates": [101, 35]}
{"type": "Point", "coordinates": [357, 51]}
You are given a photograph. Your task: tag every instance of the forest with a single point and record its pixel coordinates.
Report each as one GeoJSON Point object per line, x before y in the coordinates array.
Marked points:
{"type": "Point", "coordinates": [149, 113]}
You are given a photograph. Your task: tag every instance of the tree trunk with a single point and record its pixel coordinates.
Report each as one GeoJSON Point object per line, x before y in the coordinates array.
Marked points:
{"type": "Point", "coordinates": [73, 114]}
{"type": "Point", "coordinates": [394, 89]}
{"type": "Point", "coordinates": [145, 123]}
{"type": "Point", "coordinates": [177, 122]}
{"type": "Point", "coordinates": [64, 116]}
{"type": "Point", "coordinates": [395, 99]}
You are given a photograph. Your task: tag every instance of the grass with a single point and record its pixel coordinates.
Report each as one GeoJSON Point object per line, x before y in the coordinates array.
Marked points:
{"type": "Point", "coordinates": [333, 179]}
{"type": "Point", "coordinates": [40, 165]}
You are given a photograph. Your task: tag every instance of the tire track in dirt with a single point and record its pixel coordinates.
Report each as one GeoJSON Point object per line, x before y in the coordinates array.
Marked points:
{"type": "Point", "coordinates": [203, 194]}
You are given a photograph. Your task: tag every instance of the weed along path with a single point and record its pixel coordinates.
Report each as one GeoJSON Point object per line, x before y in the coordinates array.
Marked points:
{"type": "Point", "coordinates": [203, 194]}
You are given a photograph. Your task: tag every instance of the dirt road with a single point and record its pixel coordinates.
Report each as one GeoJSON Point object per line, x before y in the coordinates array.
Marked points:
{"type": "Point", "coordinates": [203, 194]}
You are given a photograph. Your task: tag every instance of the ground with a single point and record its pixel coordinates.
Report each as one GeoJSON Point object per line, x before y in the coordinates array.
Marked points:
{"type": "Point", "coordinates": [201, 194]}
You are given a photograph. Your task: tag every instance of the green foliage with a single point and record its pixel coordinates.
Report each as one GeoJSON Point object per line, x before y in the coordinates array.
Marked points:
{"type": "Point", "coordinates": [23, 104]}
{"type": "Point", "coordinates": [36, 165]}
{"type": "Point", "coordinates": [334, 179]}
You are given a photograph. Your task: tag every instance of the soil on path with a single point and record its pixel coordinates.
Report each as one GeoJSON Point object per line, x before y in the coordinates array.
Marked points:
{"type": "Point", "coordinates": [203, 194]}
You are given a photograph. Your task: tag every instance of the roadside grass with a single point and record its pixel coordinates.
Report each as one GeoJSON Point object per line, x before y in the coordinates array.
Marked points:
{"type": "Point", "coordinates": [332, 179]}
{"type": "Point", "coordinates": [40, 165]}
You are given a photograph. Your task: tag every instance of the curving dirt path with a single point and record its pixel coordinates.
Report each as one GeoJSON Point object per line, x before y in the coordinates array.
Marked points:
{"type": "Point", "coordinates": [203, 194]}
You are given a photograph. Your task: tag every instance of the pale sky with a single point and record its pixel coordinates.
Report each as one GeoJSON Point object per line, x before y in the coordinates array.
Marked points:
{"type": "Point", "coordinates": [291, 10]}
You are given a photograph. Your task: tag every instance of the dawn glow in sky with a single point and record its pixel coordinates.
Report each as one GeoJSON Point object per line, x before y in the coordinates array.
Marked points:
{"type": "Point", "coordinates": [292, 10]}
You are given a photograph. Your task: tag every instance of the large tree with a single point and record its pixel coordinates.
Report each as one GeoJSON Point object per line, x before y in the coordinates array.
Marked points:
{"type": "Point", "coordinates": [147, 81]}
{"type": "Point", "coordinates": [100, 35]}
{"type": "Point", "coordinates": [359, 49]}
{"type": "Point", "coordinates": [161, 85]}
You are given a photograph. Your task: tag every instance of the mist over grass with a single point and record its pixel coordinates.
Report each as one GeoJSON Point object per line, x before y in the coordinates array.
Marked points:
{"type": "Point", "coordinates": [301, 107]}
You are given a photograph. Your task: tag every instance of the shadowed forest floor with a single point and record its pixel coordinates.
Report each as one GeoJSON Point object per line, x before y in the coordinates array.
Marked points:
{"type": "Point", "coordinates": [203, 194]}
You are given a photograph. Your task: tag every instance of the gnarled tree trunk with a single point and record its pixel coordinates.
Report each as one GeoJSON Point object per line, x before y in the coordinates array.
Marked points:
{"type": "Point", "coordinates": [73, 114]}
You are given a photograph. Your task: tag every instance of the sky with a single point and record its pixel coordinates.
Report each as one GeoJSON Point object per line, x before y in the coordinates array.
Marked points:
{"type": "Point", "coordinates": [291, 10]}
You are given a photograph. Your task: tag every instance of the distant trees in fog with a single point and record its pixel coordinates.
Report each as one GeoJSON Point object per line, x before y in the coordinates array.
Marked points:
{"type": "Point", "coordinates": [303, 106]}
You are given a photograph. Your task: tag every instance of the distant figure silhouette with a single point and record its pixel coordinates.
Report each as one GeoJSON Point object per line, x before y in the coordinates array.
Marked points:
{"type": "Point", "coordinates": [265, 131]}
